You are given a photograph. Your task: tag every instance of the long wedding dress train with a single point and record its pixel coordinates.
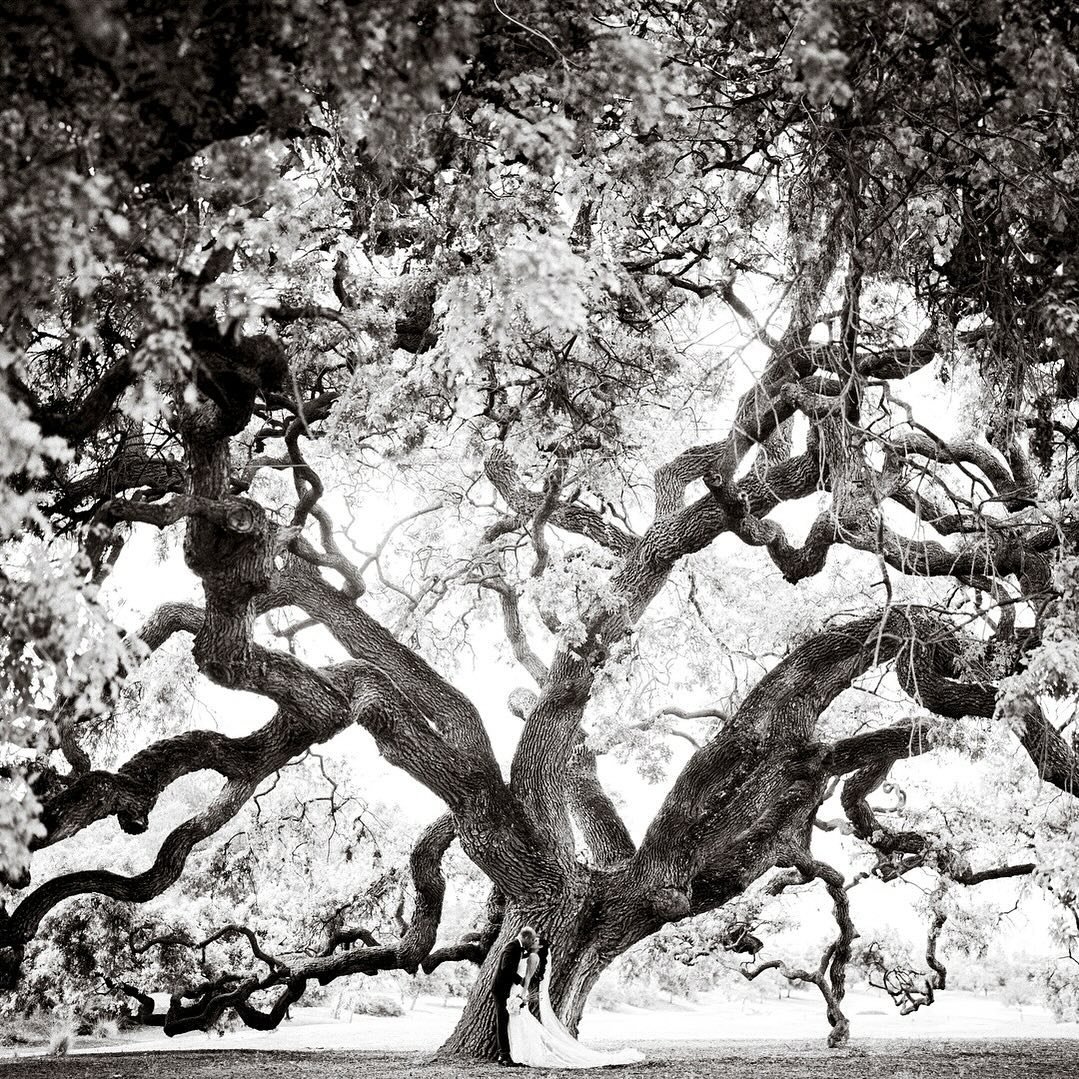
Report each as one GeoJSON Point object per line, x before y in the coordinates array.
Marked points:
{"type": "Point", "coordinates": [548, 1044]}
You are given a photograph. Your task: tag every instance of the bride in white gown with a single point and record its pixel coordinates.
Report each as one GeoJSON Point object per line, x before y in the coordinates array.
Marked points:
{"type": "Point", "coordinates": [548, 1044]}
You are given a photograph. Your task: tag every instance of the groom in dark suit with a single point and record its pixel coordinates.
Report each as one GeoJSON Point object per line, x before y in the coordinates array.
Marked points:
{"type": "Point", "coordinates": [506, 977]}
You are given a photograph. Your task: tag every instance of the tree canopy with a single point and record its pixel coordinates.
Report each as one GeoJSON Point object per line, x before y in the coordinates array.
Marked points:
{"type": "Point", "coordinates": [721, 357]}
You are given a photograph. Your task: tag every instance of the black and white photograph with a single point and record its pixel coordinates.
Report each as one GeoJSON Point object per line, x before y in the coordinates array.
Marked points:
{"type": "Point", "coordinates": [539, 534]}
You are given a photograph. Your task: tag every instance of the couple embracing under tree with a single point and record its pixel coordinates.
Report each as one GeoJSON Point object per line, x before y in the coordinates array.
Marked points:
{"type": "Point", "coordinates": [524, 1040]}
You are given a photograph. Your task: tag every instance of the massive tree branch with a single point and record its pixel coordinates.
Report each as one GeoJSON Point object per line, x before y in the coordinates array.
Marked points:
{"type": "Point", "coordinates": [759, 781]}
{"type": "Point", "coordinates": [233, 514]}
{"type": "Point", "coordinates": [20, 926]}
{"type": "Point", "coordinates": [605, 834]}
{"type": "Point", "coordinates": [907, 738]}
{"type": "Point", "coordinates": [213, 998]}
{"type": "Point", "coordinates": [446, 708]}
{"type": "Point", "coordinates": [457, 760]}
{"type": "Point", "coordinates": [75, 423]}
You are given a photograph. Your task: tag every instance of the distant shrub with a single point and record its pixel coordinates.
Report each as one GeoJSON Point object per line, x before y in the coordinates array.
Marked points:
{"type": "Point", "coordinates": [361, 1002]}
{"type": "Point", "coordinates": [316, 995]}
{"type": "Point", "coordinates": [105, 1030]}
{"type": "Point", "coordinates": [446, 982]}
{"type": "Point", "coordinates": [377, 1004]}
{"type": "Point", "coordinates": [60, 1043]}
{"type": "Point", "coordinates": [609, 995]}
{"type": "Point", "coordinates": [1061, 993]}
{"type": "Point", "coordinates": [32, 1029]}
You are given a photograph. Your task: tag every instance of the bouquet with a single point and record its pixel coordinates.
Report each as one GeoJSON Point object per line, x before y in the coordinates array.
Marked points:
{"type": "Point", "coordinates": [516, 1001]}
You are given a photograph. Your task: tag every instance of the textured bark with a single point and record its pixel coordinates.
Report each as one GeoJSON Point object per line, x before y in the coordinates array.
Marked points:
{"type": "Point", "coordinates": [605, 833]}
{"type": "Point", "coordinates": [515, 634]}
{"type": "Point", "coordinates": [940, 971]}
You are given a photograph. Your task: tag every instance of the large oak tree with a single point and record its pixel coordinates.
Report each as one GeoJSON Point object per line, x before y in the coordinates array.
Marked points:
{"type": "Point", "coordinates": [265, 261]}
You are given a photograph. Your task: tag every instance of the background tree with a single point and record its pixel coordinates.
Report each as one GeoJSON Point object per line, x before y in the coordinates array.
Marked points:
{"type": "Point", "coordinates": [267, 264]}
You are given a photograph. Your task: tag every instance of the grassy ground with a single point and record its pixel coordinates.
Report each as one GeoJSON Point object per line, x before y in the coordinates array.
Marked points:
{"type": "Point", "coordinates": [877, 1059]}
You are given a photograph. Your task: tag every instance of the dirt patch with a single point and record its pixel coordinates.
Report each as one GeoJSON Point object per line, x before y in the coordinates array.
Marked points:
{"type": "Point", "coordinates": [1013, 1059]}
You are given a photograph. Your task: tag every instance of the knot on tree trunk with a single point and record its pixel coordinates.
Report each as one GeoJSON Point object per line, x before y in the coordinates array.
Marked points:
{"type": "Point", "coordinates": [670, 903]}
{"type": "Point", "coordinates": [222, 652]}
{"type": "Point", "coordinates": [242, 515]}
{"type": "Point", "coordinates": [569, 692]}
{"type": "Point", "coordinates": [232, 550]}
{"type": "Point", "coordinates": [372, 699]}
{"type": "Point", "coordinates": [522, 702]}
{"type": "Point", "coordinates": [133, 819]}
{"type": "Point", "coordinates": [96, 794]}
{"type": "Point", "coordinates": [727, 493]}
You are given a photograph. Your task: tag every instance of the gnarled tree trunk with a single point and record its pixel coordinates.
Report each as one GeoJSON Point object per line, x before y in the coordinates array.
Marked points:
{"type": "Point", "coordinates": [769, 798]}
{"type": "Point", "coordinates": [577, 959]}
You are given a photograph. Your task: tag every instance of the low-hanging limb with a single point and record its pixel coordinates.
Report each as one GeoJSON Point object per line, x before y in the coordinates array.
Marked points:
{"type": "Point", "coordinates": [932, 940]}
{"type": "Point", "coordinates": [867, 759]}
{"type": "Point", "coordinates": [369, 700]}
{"type": "Point", "coordinates": [314, 707]}
{"type": "Point", "coordinates": [212, 999]}
{"type": "Point", "coordinates": [909, 989]}
{"type": "Point", "coordinates": [474, 946]}
{"type": "Point", "coordinates": [759, 782]}
{"type": "Point", "coordinates": [145, 1014]}
{"type": "Point", "coordinates": [830, 975]}
{"type": "Point", "coordinates": [130, 793]}
{"type": "Point", "coordinates": [17, 928]}
{"type": "Point", "coordinates": [912, 989]}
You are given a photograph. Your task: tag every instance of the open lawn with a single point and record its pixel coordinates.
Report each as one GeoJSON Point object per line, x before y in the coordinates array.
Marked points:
{"type": "Point", "coordinates": [712, 1018]}
{"type": "Point", "coordinates": [872, 1059]}
{"type": "Point", "coordinates": [962, 1035]}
